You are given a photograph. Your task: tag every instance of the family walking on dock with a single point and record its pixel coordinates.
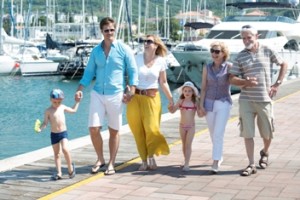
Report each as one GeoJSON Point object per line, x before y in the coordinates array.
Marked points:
{"type": "Point", "coordinates": [120, 79]}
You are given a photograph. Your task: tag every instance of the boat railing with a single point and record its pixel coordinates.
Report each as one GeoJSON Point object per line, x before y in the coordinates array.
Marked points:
{"type": "Point", "coordinates": [258, 18]}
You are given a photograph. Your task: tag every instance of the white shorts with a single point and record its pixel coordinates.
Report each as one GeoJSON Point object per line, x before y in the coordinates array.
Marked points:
{"type": "Point", "coordinates": [102, 105]}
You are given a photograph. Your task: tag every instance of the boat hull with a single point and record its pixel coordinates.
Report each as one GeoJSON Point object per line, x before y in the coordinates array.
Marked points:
{"type": "Point", "coordinates": [38, 68]}
{"type": "Point", "coordinates": [192, 63]}
{"type": "Point", "coordinates": [7, 65]}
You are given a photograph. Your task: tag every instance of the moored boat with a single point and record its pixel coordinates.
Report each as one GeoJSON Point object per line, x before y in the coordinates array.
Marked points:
{"type": "Point", "coordinates": [275, 30]}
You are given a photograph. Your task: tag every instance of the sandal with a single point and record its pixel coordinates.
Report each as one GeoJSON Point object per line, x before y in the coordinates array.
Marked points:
{"type": "Point", "coordinates": [110, 172]}
{"type": "Point", "coordinates": [96, 168]}
{"type": "Point", "coordinates": [144, 166]}
{"type": "Point", "coordinates": [56, 177]}
{"type": "Point", "coordinates": [264, 157]}
{"type": "Point", "coordinates": [250, 169]}
{"type": "Point", "coordinates": [152, 163]}
{"type": "Point", "coordinates": [72, 175]}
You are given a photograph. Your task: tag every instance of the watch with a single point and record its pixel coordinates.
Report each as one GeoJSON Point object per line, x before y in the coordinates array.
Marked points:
{"type": "Point", "coordinates": [278, 82]}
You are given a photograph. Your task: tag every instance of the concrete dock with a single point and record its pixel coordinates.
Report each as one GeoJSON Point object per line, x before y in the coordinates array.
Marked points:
{"type": "Point", "coordinates": [28, 176]}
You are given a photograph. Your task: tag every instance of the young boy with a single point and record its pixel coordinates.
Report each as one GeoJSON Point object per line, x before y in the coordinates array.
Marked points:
{"type": "Point", "coordinates": [55, 114]}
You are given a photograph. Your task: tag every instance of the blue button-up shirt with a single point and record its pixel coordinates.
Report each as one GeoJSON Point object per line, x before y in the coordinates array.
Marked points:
{"type": "Point", "coordinates": [110, 72]}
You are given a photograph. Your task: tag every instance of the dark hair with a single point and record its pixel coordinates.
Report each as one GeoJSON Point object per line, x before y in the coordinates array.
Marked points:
{"type": "Point", "coordinates": [106, 21]}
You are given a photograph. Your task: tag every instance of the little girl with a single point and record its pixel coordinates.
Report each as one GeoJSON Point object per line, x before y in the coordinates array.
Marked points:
{"type": "Point", "coordinates": [188, 107]}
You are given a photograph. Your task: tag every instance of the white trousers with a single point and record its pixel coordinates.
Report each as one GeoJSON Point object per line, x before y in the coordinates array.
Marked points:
{"type": "Point", "coordinates": [216, 121]}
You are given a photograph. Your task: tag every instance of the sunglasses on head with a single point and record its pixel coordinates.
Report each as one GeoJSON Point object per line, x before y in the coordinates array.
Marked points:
{"type": "Point", "coordinates": [148, 42]}
{"type": "Point", "coordinates": [246, 27]}
{"type": "Point", "coordinates": [216, 51]}
{"type": "Point", "coordinates": [109, 30]}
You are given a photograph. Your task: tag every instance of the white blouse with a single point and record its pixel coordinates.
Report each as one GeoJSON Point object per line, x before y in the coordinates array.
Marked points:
{"type": "Point", "coordinates": [148, 77]}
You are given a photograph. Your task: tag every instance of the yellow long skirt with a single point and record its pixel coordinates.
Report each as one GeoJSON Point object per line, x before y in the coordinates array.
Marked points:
{"type": "Point", "coordinates": [143, 116]}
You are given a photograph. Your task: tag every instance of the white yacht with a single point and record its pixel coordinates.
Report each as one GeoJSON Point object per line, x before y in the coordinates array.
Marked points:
{"type": "Point", "coordinates": [277, 28]}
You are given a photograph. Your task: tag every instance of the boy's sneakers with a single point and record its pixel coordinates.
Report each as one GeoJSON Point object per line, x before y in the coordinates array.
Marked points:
{"type": "Point", "coordinates": [72, 175]}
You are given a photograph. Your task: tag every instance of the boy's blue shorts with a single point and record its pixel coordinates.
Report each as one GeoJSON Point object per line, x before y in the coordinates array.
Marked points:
{"type": "Point", "coordinates": [57, 137]}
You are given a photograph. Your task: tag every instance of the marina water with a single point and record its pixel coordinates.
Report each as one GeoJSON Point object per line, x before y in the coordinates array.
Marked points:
{"type": "Point", "coordinates": [24, 99]}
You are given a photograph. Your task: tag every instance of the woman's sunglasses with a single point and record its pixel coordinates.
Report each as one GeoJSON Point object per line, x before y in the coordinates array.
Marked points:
{"type": "Point", "coordinates": [216, 51]}
{"type": "Point", "coordinates": [148, 42]}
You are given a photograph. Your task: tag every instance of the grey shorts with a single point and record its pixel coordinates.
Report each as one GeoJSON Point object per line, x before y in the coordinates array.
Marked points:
{"type": "Point", "coordinates": [262, 112]}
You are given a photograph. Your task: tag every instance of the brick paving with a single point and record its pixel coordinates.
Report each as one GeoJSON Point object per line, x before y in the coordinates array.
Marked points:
{"type": "Point", "coordinates": [280, 181]}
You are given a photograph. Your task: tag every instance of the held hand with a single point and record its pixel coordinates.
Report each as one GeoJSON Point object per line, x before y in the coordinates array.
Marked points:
{"type": "Point", "coordinates": [128, 95]}
{"type": "Point", "coordinates": [78, 96]}
{"type": "Point", "coordinates": [250, 81]}
{"type": "Point", "coordinates": [201, 112]}
{"type": "Point", "coordinates": [171, 108]}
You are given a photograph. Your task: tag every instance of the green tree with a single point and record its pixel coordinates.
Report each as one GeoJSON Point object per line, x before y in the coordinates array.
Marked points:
{"type": "Point", "coordinates": [42, 20]}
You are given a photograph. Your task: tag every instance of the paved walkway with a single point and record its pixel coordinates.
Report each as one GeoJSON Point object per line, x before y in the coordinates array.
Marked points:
{"type": "Point", "coordinates": [281, 180]}
{"type": "Point", "coordinates": [27, 176]}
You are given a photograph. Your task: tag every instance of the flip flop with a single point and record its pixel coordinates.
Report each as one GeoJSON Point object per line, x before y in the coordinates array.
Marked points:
{"type": "Point", "coordinates": [96, 168]}
{"type": "Point", "coordinates": [72, 175]}
{"type": "Point", "coordinates": [110, 172]}
{"type": "Point", "coordinates": [56, 177]}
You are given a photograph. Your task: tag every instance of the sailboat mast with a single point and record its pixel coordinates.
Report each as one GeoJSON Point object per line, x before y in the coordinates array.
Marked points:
{"type": "Point", "coordinates": [110, 8]}
{"type": "Point", "coordinates": [139, 19]}
{"type": "Point", "coordinates": [165, 18]}
{"type": "Point", "coordinates": [83, 20]}
{"type": "Point", "coordinates": [1, 25]}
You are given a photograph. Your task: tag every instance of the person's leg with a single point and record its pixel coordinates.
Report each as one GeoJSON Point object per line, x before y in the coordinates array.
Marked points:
{"type": "Point", "coordinates": [266, 129]}
{"type": "Point", "coordinates": [57, 159]}
{"type": "Point", "coordinates": [114, 107]}
{"type": "Point", "coordinates": [97, 142]}
{"type": "Point", "coordinates": [114, 140]}
{"type": "Point", "coordinates": [221, 117]}
{"type": "Point", "coordinates": [183, 142]}
{"type": "Point", "coordinates": [247, 113]}
{"type": "Point", "coordinates": [188, 146]}
{"type": "Point", "coordinates": [249, 145]}
{"type": "Point", "coordinates": [135, 123]}
{"type": "Point", "coordinates": [64, 144]}
{"type": "Point", "coordinates": [155, 141]}
{"type": "Point", "coordinates": [210, 120]}
{"type": "Point", "coordinates": [96, 120]}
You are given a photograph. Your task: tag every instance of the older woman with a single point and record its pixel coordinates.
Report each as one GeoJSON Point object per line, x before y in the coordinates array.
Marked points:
{"type": "Point", "coordinates": [215, 99]}
{"type": "Point", "coordinates": [144, 108]}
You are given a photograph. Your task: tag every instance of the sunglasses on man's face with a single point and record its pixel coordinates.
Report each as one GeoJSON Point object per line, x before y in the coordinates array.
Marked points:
{"type": "Point", "coordinates": [216, 51]}
{"type": "Point", "coordinates": [148, 42]}
{"type": "Point", "coordinates": [109, 30]}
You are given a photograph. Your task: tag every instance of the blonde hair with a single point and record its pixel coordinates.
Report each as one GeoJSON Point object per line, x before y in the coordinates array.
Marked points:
{"type": "Point", "coordinates": [224, 48]}
{"type": "Point", "coordinates": [161, 47]}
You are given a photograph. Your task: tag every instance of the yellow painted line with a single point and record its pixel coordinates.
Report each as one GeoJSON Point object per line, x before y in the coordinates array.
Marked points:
{"type": "Point", "coordinates": [133, 161]}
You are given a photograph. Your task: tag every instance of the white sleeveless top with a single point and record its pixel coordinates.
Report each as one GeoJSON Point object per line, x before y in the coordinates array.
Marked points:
{"type": "Point", "coordinates": [148, 77]}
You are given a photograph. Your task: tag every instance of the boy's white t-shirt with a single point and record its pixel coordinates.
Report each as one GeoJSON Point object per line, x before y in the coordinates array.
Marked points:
{"type": "Point", "coordinates": [148, 77]}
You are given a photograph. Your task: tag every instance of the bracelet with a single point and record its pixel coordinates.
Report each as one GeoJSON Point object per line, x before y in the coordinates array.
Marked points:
{"type": "Point", "coordinates": [130, 93]}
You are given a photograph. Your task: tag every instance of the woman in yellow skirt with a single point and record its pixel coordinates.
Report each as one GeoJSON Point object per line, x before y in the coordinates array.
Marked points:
{"type": "Point", "coordinates": [144, 108]}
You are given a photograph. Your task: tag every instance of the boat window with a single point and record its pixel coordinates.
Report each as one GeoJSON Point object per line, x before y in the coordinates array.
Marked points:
{"type": "Point", "coordinates": [222, 34]}
{"type": "Point", "coordinates": [292, 45]}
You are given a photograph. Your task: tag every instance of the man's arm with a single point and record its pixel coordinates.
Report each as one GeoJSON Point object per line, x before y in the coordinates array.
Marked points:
{"type": "Point", "coordinates": [248, 82]}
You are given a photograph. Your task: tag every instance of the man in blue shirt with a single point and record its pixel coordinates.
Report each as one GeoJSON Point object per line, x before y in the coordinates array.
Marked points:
{"type": "Point", "coordinates": [108, 63]}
